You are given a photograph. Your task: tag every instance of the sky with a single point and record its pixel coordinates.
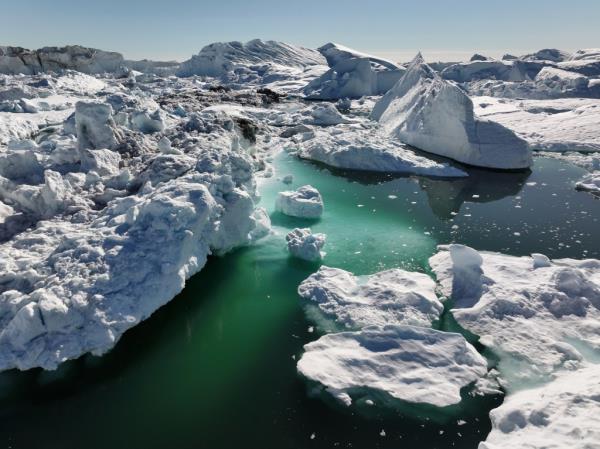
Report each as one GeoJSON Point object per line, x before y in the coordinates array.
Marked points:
{"type": "Point", "coordinates": [176, 29]}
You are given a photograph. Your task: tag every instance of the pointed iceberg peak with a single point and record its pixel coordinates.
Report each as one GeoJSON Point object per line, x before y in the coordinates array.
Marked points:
{"type": "Point", "coordinates": [418, 59]}
{"type": "Point", "coordinates": [435, 115]}
{"type": "Point", "coordinates": [418, 64]}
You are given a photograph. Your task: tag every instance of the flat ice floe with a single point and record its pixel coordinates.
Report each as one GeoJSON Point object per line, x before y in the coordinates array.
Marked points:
{"type": "Point", "coordinates": [540, 317]}
{"type": "Point", "coordinates": [388, 297]}
{"type": "Point", "coordinates": [434, 115]}
{"type": "Point", "coordinates": [566, 124]}
{"type": "Point", "coordinates": [364, 147]}
{"type": "Point", "coordinates": [410, 363]}
{"type": "Point", "coordinates": [561, 414]}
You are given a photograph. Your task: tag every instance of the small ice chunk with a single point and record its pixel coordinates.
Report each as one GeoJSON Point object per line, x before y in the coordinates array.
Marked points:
{"type": "Point", "coordinates": [164, 146]}
{"type": "Point", "coordinates": [104, 162]}
{"type": "Point", "coordinates": [302, 243]}
{"type": "Point", "coordinates": [95, 126]}
{"type": "Point", "coordinates": [306, 202]}
{"type": "Point", "coordinates": [327, 114]}
{"type": "Point", "coordinates": [288, 179]}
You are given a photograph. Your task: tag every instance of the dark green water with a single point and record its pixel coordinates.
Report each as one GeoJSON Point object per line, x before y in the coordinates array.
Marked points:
{"type": "Point", "coordinates": [215, 368]}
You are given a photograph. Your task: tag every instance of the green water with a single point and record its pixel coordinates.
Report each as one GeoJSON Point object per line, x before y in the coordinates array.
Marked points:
{"type": "Point", "coordinates": [215, 368]}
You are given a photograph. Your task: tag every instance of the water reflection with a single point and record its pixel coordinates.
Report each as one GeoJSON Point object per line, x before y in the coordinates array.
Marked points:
{"type": "Point", "coordinates": [446, 196]}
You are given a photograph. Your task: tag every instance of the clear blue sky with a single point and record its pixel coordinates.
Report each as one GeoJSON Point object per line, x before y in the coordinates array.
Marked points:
{"type": "Point", "coordinates": [176, 29]}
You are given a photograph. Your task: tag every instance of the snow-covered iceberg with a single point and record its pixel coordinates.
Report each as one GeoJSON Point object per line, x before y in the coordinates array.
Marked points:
{"type": "Point", "coordinates": [85, 202]}
{"type": "Point", "coordinates": [302, 243]}
{"type": "Point", "coordinates": [388, 297]}
{"type": "Point", "coordinates": [515, 70]}
{"type": "Point", "coordinates": [365, 148]}
{"type": "Point", "coordinates": [14, 60]}
{"type": "Point", "coordinates": [435, 115]}
{"type": "Point", "coordinates": [255, 62]}
{"type": "Point", "coordinates": [413, 364]}
{"type": "Point", "coordinates": [590, 183]}
{"type": "Point", "coordinates": [352, 75]}
{"type": "Point", "coordinates": [305, 202]}
{"type": "Point", "coordinates": [538, 316]}
{"type": "Point", "coordinates": [336, 53]}
{"type": "Point", "coordinates": [561, 414]}
{"type": "Point", "coordinates": [566, 124]}
{"type": "Point", "coordinates": [548, 54]}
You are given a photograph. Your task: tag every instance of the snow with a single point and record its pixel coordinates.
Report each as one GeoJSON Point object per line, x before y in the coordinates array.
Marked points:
{"type": "Point", "coordinates": [561, 414]}
{"type": "Point", "coordinates": [303, 244]}
{"type": "Point", "coordinates": [413, 364]}
{"type": "Point", "coordinates": [365, 148]}
{"type": "Point", "coordinates": [540, 317]}
{"type": "Point", "coordinates": [388, 297]}
{"type": "Point", "coordinates": [566, 124]}
{"type": "Point", "coordinates": [434, 115]}
{"type": "Point", "coordinates": [305, 202]}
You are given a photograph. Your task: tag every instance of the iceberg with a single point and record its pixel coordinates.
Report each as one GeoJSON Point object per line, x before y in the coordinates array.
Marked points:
{"type": "Point", "coordinates": [302, 243]}
{"type": "Point", "coordinates": [388, 297]}
{"type": "Point", "coordinates": [505, 70]}
{"type": "Point", "coordinates": [367, 149]}
{"type": "Point", "coordinates": [305, 202]}
{"type": "Point", "coordinates": [561, 414]}
{"type": "Point", "coordinates": [352, 74]}
{"type": "Point", "coordinates": [255, 61]}
{"type": "Point", "coordinates": [89, 192]}
{"type": "Point", "coordinates": [434, 115]}
{"type": "Point", "coordinates": [566, 124]}
{"type": "Point", "coordinates": [590, 183]}
{"type": "Point", "coordinates": [410, 363]}
{"type": "Point", "coordinates": [538, 316]}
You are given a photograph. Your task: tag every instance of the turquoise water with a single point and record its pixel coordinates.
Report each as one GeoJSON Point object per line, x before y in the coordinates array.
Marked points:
{"type": "Point", "coordinates": [215, 368]}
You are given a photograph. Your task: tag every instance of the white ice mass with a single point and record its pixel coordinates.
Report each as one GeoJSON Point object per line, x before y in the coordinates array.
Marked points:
{"type": "Point", "coordinates": [388, 297]}
{"type": "Point", "coordinates": [561, 414]}
{"type": "Point", "coordinates": [364, 147]}
{"type": "Point", "coordinates": [305, 202]}
{"type": "Point", "coordinates": [553, 306]}
{"type": "Point", "coordinates": [302, 243]}
{"type": "Point", "coordinates": [410, 363]}
{"type": "Point", "coordinates": [432, 114]}
{"type": "Point", "coordinates": [352, 75]}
